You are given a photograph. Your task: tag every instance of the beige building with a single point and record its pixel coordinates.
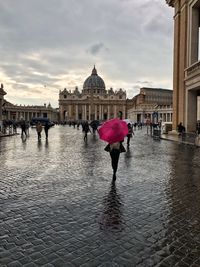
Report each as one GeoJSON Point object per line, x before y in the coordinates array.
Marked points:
{"type": "Point", "coordinates": [186, 75]}
{"type": "Point", "coordinates": [151, 102]}
{"type": "Point", "coordinates": [13, 112]}
{"type": "Point", "coordinates": [27, 112]}
{"type": "Point", "coordinates": [94, 102]}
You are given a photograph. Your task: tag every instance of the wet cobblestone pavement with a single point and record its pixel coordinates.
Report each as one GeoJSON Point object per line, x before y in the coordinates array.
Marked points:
{"type": "Point", "coordinates": [58, 206]}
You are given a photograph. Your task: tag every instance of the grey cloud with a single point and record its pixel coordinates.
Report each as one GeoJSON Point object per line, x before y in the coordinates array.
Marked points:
{"type": "Point", "coordinates": [158, 25]}
{"type": "Point", "coordinates": [18, 87]}
{"type": "Point", "coordinates": [96, 48]}
{"type": "Point", "coordinates": [61, 32]}
{"type": "Point", "coordinates": [143, 82]}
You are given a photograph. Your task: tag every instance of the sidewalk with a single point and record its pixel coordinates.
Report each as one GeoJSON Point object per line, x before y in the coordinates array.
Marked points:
{"type": "Point", "coordinates": [187, 139]}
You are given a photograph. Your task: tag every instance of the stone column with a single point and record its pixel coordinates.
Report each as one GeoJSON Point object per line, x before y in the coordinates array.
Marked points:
{"type": "Point", "coordinates": [82, 111]}
{"type": "Point", "coordinates": [89, 112]}
{"type": "Point", "coordinates": [115, 111]}
{"type": "Point", "coordinates": [95, 112]}
{"type": "Point", "coordinates": [124, 112]}
{"type": "Point", "coordinates": [85, 112]}
{"type": "Point", "coordinates": [180, 62]}
{"type": "Point", "coordinates": [193, 38]}
{"type": "Point", "coordinates": [70, 111]}
{"type": "Point", "coordinates": [100, 117]}
{"type": "Point", "coordinates": [76, 116]}
{"type": "Point", "coordinates": [191, 111]}
{"type": "Point", "coordinates": [108, 111]}
{"type": "Point", "coordinates": [9, 115]}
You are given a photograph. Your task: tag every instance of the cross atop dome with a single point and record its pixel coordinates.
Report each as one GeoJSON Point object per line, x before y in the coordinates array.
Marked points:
{"type": "Point", "coordinates": [94, 71]}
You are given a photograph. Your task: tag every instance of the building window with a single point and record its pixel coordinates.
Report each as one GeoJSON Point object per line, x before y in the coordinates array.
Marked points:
{"type": "Point", "coordinates": [120, 97]}
{"type": "Point", "coordinates": [65, 96]}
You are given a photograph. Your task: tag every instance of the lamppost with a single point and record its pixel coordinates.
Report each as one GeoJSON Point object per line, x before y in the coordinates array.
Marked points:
{"type": "Point", "coordinates": [2, 93]}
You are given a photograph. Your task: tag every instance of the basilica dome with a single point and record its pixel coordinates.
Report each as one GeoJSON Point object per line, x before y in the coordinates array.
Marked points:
{"type": "Point", "coordinates": [94, 82]}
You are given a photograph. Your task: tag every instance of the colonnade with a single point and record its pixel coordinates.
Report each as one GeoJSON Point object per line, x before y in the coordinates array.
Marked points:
{"type": "Point", "coordinates": [142, 117]}
{"type": "Point", "coordinates": [28, 114]}
{"type": "Point", "coordinates": [91, 112]}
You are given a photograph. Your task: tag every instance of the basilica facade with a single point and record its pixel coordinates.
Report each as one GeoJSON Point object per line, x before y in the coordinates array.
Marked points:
{"type": "Point", "coordinates": [94, 102]}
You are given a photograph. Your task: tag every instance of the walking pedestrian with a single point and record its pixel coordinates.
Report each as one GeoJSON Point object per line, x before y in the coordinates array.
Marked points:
{"type": "Point", "coordinates": [39, 130]}
{"type": "Point", "coordinates": [130, 133]}
{"type": "Point", "coordinates": [86, 129]}
{"type": "Point", "coordinates": [27, 127]}
{"type": "Point", "coordinates": [181, 129]}
{"type": "Point", "coordinates": [23, 127]}
{"type": "Point", "coordinates": [115, 149]}
{"type": "Point", "coordinates": [46, 129]}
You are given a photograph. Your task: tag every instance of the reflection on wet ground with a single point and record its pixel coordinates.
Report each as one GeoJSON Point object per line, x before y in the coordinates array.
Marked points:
{"type": "Point", "coordinates": [111, 219]}
{"type": "Point", "coordinates": [58, 205]}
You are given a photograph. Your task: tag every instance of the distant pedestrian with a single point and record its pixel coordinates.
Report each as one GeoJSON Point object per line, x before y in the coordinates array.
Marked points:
{"type": "Point", "coordinates": [46, 129]}
{"type": "Point", "coordinates": [39, 130]}
{"type": "Point", "coordinates": [23, 127]}
{"type": "Point", "coordinates": [130, 134]}
{"type": "Point", "coordinates": [86, 129]}
{"type": "Point", "coordinates": [14, 127]}
{"type": "Point", "coordinates": [27, 127]}
{"type": "Point", "coordinates": [120, 115]}
{"type": "Point", "coordinates": [181, 129]}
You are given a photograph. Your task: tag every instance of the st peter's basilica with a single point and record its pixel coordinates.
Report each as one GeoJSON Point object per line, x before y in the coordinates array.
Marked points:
{"type": "Point", "coordinates": [94, 102]}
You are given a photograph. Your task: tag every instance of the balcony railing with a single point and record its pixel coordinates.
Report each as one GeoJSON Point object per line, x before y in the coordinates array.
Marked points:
{"type": "Point", "coordinates": [193, 70]}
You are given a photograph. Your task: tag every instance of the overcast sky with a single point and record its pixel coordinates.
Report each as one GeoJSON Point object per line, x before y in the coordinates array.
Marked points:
{"type": "Point", "coordinates": [49, 45]}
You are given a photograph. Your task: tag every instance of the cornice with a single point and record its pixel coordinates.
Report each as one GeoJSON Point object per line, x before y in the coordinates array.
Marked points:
{"type": "Point", "coordinates": [170, 2]}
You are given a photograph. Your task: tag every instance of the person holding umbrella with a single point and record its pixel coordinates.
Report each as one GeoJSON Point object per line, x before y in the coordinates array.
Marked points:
{"type": "Point", "coordinates": [113, 132]}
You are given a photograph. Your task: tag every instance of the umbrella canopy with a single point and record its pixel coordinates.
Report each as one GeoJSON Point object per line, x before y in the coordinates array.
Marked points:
{"type": "Point", "coordinates": [128, 121]}
{"type": "Point", "coordinates": [113, 131]}
{"type": "Point", "coordinates": [94, 124]}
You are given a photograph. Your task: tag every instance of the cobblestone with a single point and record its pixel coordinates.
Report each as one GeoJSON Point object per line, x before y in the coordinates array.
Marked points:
{"type": "Point", "coordinates": [58, 206]}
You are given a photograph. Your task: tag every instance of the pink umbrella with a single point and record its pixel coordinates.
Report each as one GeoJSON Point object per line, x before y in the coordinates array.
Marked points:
{"type": "Point", "coordinates": [113, 131]}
